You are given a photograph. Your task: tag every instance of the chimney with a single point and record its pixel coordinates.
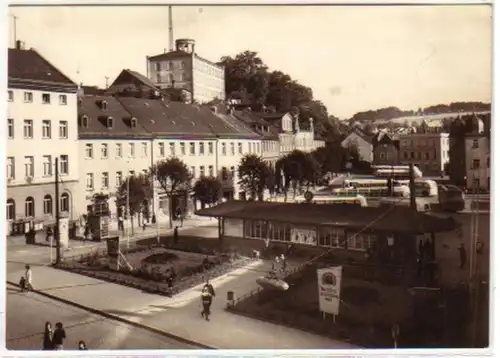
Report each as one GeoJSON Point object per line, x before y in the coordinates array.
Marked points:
{"type": "Point", "coordinates": [413, 199]}
{"type": "Point", "coordinates": [19, 45]}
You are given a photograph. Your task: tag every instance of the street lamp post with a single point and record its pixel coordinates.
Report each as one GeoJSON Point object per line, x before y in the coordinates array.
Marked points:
{"type": "Point", "coordinates": [128, 211]}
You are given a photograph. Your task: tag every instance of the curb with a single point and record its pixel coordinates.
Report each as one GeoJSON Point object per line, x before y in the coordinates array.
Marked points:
{"type": "Point", "coordinates": [119, 319]}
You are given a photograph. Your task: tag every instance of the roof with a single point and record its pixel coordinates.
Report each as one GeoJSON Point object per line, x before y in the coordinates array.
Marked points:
{"type": "Point", "coordinates": [348, 216]}
{"type": "Point", "coordinates": [29, 68]}
{"type": "Point", "coordinates": [256, 123]}
{"type": "Point", "coordinates": [171, 54]}
{"type": "Point", "coordinates": [362, 134]}
{"type": "Point", "coordinates": [122, 78]}
{"type": "Point", "coordinates": [97, 125]}
{"type": "Point", "coordinates": [385, 138]}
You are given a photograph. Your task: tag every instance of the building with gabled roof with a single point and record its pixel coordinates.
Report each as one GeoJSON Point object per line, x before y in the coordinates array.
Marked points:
{"type": "Point", "coordinates": [41, 127]}
{"type": "Point", "coordinates": [363, 141]}
{"type": "Point", "coordinates": [185, 69]}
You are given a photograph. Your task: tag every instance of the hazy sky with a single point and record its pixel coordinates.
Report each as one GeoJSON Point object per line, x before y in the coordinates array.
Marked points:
{"type": "Point", "coordinates": [354, 58]}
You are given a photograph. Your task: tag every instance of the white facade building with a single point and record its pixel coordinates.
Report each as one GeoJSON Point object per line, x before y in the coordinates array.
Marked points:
{"type": "Point", "coordinates": [41, 126]}
{"type": "Point", "coordinates": [364, 143]}
{"type": "Point", "coordinates": [477, 161]}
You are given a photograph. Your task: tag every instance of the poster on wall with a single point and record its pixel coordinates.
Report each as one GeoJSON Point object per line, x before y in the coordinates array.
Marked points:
{"type": "Point", "coordinates": [64, 232]}
{"type": "Point", "coordinates": [329, 283]}
{"type": "Point", "coordinates": [303, 236]}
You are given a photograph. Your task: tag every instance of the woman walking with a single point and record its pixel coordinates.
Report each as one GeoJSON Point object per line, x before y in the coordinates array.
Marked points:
{"type": "Point", "coordinates": [206, 301]}
{"type": "Point", "coordinates": [47, 337]}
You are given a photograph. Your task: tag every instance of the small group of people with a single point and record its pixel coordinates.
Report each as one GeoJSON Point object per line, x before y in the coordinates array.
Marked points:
{"type": "Point", "coordinates": [207, 296]}
{"type": "Point", "coordinates": [279, 260]}
{"type": "Point", "coordinates": [53, 339]}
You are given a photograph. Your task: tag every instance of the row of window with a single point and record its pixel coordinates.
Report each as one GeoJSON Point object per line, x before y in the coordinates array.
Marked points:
{"type": "Point", "coordinates": [181, 77]}
{"type": "Point", "coordinates": [45, 98]}
{"type": "Point", "coordinates": [29, 166]}
{"type": "Point", "coordinates": [423, 142]}
{"type": "Point", "coordinates": [203, 148]}
{"type": "Point", "coordinates": [204, 67]}
{"type": "Point", "coordinates": [29, 206]}
{"type": "Point", "coordinates": [28, 129]}
{"type": "Point", "coordinates": [170, 65]}
{"type": "Point", "coordinates": [328, 237]}
{"type": "Point", "coordinates": [119, 176]}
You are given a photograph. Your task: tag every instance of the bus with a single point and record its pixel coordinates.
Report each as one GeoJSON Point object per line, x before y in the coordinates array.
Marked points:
{"type": "Point", "coordinates": [348, 199]}
{"type": "Point", "coordinates": [371, 187]}
{"type": "Point", "coordinates": [423, 204]}
{"type": "Point", "coordinates": [396, 171]}
{"type": "Point", "coordinates": [451, 198]}
{"type": "Point", "coordinates": [424, 187]}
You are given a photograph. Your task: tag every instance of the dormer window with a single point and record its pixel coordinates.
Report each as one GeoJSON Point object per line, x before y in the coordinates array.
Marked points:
{"type": "Point", "coordinates": [109, 122]}
{"type": "Point", "coordinates": [133, 122]}
{"type": "Point", "coordinates": [102, 104]}
{"type": "Point", "coordinates": [85, 121]}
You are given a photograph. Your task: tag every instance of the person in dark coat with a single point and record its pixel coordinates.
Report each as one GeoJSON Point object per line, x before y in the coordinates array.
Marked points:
{"type": "Point", "coordinates": [210, 288]}
{"type": "Point", "coordinates": [59, 337]}
{"type": "Point", "coordinates": [463, 255]}
{"type": "Point", "coordinates": [206, 302]}
{"type": "Point", "coordinates": [176, 235]}
{"type": "Point", "coordinates": [47, 337]}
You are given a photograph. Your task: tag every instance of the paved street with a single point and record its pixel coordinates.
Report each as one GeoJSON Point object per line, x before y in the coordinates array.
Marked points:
{"type": "Point", "coordinates": [28, 312]}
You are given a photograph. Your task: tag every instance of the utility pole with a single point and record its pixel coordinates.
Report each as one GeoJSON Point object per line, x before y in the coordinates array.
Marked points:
{"type": "Point", "coordinates": [14, 17]}
{"type": "Point", "coordinates": [56, 231]}
{"type": "Point", "coordinates": [413, 199]}
{"type": "Point", "coordinates": [129, 217]}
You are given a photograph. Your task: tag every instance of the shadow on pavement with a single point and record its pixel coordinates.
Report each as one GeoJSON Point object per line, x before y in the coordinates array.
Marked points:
{"type": "Point", "coordinates": [123, 313]}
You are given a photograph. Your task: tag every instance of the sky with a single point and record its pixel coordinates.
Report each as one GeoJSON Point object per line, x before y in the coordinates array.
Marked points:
{"type": "Point", "coordinates": [355, 58]}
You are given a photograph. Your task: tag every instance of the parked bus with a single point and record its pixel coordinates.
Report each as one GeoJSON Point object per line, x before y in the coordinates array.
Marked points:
{"type": "Point", "coordinates": [396, 171]}
{"type": "Point", "coordinates": [350, 199]}
{"type": "Point", "coordinates": [371, 188]}
{"type": "Point", "coordinates": [424, 187]}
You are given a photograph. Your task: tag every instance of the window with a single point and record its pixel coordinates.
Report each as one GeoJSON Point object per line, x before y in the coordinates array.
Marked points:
{"type": "Point", "coordinates": [29, 170]}
{"type": "Point", "coordinates": [47, 205]}
{"type": "Point", "coordinates": [382, 155]}
{"type": "Point", "coordinates": [10, 128]}
{"type": "Point", "coordinates": [232, 149]}
{"type": "Point", "coordinates": [11, 168]}
{"type": "Point", "coordinates": [181, 77]}
{"type": "Point", "coordinates": [104, 151]}
{"type": "Point", "coordinates": [29, 207]}
{"type": "Point", "coordinates": [232, 172]}
{"type": "Point", "coordinates": [64, 202]}
{"type": "Point", "coordinates": [11, 209]}
{"type": "Point", "coordinates": [202, 148]}
{"type": "Point", "coordinates": [46, 129]}
{"type": "Point", "coordinates": [158, 66]}
{"type": "Point", "coordinates": [64, 164]}
{"type": "Point", "coordinates": [28, 129]}
{"type": "Point", "coordinates": [161, 149]}
{"type": "Point", "coordinates": [89, 151]}
{"type": "Point", "coordinates": [249, 147]}
{"type": "Point", "coordinates": [85, 121]}
{"type": "Point", "coordinates": [172, 149]}
{"type": "Point", "coordinates": [475, 144]}
{"type": "Point", "coordinates": [476, 183]}
{"type": "Point", "coordinates": [46, 98]}
{"type": "Point", "coordinates": [104, 180]}
{"type": "Point", "coordinates": [331, 237]}
{"type": "Point", "coordinates": [183, 148]}
{"type": "Point", "coordinates": [28, 97]}
{"type": "Point", "coordinates": [405, 155]}
{"type": "Point", "coordinates": [258, 146]}
{"type": "Point", "coordinates": [183, 64]}
{"type": "Point", "coordinates": [202, 171]}
{"type": "Point", "coordinates": [10, 96]}
{"type": "Point", "coordinates": [47, 165]}
{"type": "Point", "coordinates": [210, 148]}
{"type": "Point", "coordinates": [223, 148]}
{"type": "Point", "coordinates": [144, 149]}
{"type": "Point", "coordinates": [240, 148]}
{"type": "Point", "coordinates": [109, 122]}
{"type": "Point", "coordinates": [476, 164]}
{"type": "Point", "coordinates": [131, 150]}
{"type": "Point", "coordinates": [211, 170]}
{"type": "Point", "coordinates": [63, 129]}
{"type": "Point", "coordinates": [89, 182]}
{"type": "Point", "coordinates": [158, 78]}
{"type": "Point", "coordinates": [192, 149]}
{"type": "Point", "coordinates": [133, 122]}
{"type": "Point", "coordinates": [63, 100]}
{"type": "Point", "coordinates": [118, 179]}
{"type": "Point", "coordinates": [118, 150]}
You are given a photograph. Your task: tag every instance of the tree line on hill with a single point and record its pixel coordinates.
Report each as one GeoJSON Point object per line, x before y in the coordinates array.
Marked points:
{"type": "Point", "coordinates": [296, 171]}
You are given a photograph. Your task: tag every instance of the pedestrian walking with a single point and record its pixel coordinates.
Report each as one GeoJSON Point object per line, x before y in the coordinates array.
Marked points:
{"type": "Point", "coordinates": [463, 255]}
{"type": "Point", "coordinates": [47, 337]}
{"type": "Point", "coordinates": [210, 288]}
{"type": "Point", "coordinates": [59, 337]}
{"type": "Point", "coordinates": [82, 346]}
{"type": "Point", "coordinates": [206, 302]}
{"type": "Point", "coordinates": [28, 277]}
{"type": "Point", "coordinates": [176, 235]}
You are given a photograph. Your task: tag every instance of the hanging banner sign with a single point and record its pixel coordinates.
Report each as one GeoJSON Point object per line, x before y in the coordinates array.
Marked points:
{"type": "Point", "coordinates": [329, 283]}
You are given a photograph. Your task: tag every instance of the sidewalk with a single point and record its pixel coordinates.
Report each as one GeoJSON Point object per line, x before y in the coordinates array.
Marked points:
{"type": "Point", "coordinates": [180, 315]}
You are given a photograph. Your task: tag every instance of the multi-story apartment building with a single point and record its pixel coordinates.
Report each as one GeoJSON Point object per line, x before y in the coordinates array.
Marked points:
{"type": "Point", "coordinates": [120, 136]}
{"type": "Point", "coordinates": [41, 126]}
{"type": "Point", "coordinates": [386, 149]}
{"type": "Point", "coordinates": [429, 151]}
{"type": "Point", "coordinates": [184, 69]}
{"type": "Point", "coordinates": [477, 161]}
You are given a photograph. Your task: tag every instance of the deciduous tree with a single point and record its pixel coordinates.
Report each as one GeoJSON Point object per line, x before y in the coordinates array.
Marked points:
{"type": "Point", "coordinates": [137, 191]}
{"type": "Point", "coordinates": [174, 177]}
{"type": "Point", "coordinates": [254, 175]}
{"type": "Point", "coordinates": [207, 190]}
